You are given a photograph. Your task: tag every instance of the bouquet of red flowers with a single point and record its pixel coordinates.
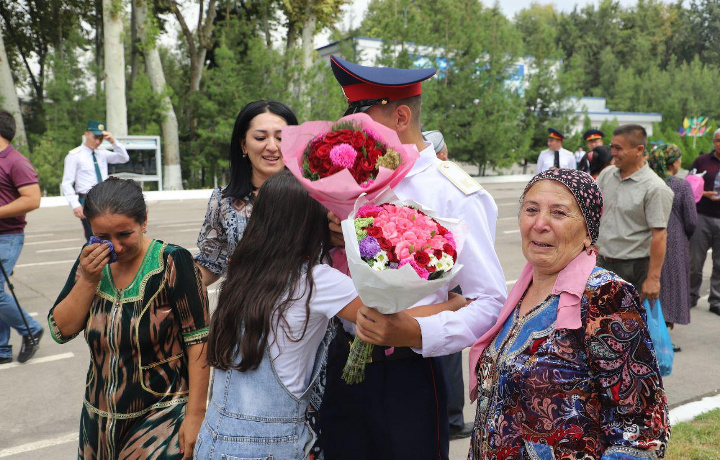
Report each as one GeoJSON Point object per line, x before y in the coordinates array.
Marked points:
{"type": "Point", "coordinates": [338, 162]}
{"type": "Point", "coordinates": [398, 252]}
{"type": "Point", "coordinates": [348, 146]}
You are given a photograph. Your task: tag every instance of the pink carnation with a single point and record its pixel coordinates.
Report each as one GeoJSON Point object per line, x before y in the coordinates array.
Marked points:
{"type": "Point", "coordinates": [367, 209]}
{"type": "Point", "coordinates": [343, 155]}
{"type": "Point", "coordinates": [422, 273]}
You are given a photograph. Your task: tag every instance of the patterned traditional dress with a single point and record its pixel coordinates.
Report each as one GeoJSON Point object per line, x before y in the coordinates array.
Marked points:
{"type": "Point", "coordinates": [137, 383]}
{"type": "Point", "coordinates": [224, 225]}
{"type": "Point", "coordinates": [588, 393]}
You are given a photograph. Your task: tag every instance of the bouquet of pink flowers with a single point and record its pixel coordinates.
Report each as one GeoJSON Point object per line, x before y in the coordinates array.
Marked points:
{"type": "Point", "coordinates": [391, 236]}
{"type": "Point", "coordinates": [338, 162]}
{"type": "Point", "coordinates": [398, 252]}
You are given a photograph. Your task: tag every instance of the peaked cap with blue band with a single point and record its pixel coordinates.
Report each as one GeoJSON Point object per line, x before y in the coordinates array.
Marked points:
{"type": "Point", "coordinates": [365, 86]}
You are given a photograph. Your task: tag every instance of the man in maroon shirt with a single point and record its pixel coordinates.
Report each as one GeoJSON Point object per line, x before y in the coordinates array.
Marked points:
{"type": "Point", "coordinates": [19, 194]}
{"type": "Point", "coordinates": [707, 233]}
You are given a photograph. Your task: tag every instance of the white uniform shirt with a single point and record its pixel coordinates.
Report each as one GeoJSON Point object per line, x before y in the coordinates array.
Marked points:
{"type": "Point", "coordinates": [294, 361]}
{"type": "Point", "coordinates": [546, 160]}
{"type": "Point", "coordinates": [481, 277]}
{"type": "Point", "coordinates": [80, 169]}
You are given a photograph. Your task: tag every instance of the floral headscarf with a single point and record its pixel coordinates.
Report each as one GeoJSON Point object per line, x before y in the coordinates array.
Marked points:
{"type": "Point", "coordinates": [585, 190]}
{"type": "Point", "coordinates": [661, 157]}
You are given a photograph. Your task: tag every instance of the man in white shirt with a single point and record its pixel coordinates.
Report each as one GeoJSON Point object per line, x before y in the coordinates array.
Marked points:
{"type": "Point", "coordinates": [86, 166]}
{"type": "Point", "coordinates": [400, 409]}
{"type": "Point", "coordinates": [555, 156]}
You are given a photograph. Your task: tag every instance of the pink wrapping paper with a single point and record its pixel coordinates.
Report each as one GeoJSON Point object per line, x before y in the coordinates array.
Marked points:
{"type": "Point", "coordinates": [339, 191]}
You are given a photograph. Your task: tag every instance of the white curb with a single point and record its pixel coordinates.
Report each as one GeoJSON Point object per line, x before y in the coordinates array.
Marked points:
{"type": "Point", "coordinates": [687, 412]}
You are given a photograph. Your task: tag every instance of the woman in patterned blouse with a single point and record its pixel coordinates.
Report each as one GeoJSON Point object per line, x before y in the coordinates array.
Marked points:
{"type": "Point", "coordinates": [254, 156]}
{"type": "Point", "coordinates": [569, 370]}
{"type": "Point", "coordinates": [145, 319]}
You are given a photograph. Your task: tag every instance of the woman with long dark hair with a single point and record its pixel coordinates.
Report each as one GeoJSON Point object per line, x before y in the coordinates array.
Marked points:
{"type": "Point", "coordinates": [254, 156]}
{"type": "Point", "coordinates": [144, 311]}
{"type": "Point", "coordinates": [271, 329]}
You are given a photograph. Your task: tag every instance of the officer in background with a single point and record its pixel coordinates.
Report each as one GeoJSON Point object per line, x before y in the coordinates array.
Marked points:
{"type": "Point", "coordinates": [87, 165]}
{"type": "Point", "coordinates": [555, 156]}
{"type": "Point", "coordinates": [400, 410]}
{"type": "Point", "coordinates": [452, 363]}
{"type": "Point", "coordinates": [593, 138]}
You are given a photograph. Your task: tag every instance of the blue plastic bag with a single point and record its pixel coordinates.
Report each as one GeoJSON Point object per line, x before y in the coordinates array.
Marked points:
{"type": "Point", "coordinates": [660, 337]}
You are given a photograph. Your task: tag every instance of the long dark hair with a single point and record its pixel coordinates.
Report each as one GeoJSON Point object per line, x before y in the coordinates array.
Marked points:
{"type": "Point", "coordinates": [240, 167]}
{"type": "Point", "coordinates": [286, 237]}
{"type": "Point", "coordinates": [116, 196]}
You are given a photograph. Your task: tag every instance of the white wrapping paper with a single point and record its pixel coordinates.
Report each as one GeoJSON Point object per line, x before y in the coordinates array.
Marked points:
{"type": "Point", "coordinates": [393, 290]}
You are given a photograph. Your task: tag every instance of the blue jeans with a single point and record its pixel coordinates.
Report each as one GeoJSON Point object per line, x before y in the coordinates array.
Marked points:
{"type": "Point", "coordinates": [10, 247]}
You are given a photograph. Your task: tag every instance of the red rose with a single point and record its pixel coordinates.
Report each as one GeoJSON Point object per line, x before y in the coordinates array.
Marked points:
{"type": "Point", "coordinates": [323, 151]}
{"type": "Point", "coordinates": [327, 163]}
{"type": "Point", "coordinates": [375, 232]}
{"type": "Point", "coordinates": [422, 258]}
{"type": "Point", "coordinates": [384, 243]}
{"type": "Point", "coordinates": [448, 249]}
{"type": "Point", "coordinates": [366, 165]}
{"type": "Point", "coordinates": [430, 268]}
{"type": "Point", "coordinates": [438, 253]}
{"type": "Point", "coordinates": [392, 257]}
{"type": "Point", "coordinates": [370, 143]}
{"type": "Point", "coordinates": [441, 230]}
{"type": "Point", "coordinates": [373, 155]}
{"type": "Point", "coordinates": [358, 140]}
{"type": "Point", "coordinates": [332, 136]}
{"type": "Point", "coordinates": [346, 136]}
{"type": "Point", "coordinates": [334, 169]}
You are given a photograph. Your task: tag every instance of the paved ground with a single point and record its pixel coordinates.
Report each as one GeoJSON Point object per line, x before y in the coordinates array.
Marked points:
{"type": "Point", "coordinates": [41, 400]}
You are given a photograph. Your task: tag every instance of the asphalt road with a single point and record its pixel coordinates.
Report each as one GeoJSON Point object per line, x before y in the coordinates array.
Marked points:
{"type": "Point", "coordinates": [41, 400]}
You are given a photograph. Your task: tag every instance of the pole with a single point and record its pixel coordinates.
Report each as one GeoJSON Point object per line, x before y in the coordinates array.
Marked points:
{"type": "Point", "coordinates": [22, 315]}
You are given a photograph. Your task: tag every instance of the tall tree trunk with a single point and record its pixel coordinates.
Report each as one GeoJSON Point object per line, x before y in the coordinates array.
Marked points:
{"type": "Point", "coordinates": [134, 40]}
{"type": "Point", "coordinates": [9, 99]}
{"type": "Point", "coordinates": [172, 175]}
{"type": "Point", "coordinates": [98, 47]}
{"type": "Point", "coordinates": [116, 106]}
{"type": "Point", "coordinates": [308, 35]}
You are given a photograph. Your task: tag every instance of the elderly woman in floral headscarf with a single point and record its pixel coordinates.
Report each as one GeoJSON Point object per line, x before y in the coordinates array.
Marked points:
{"type": "Point", "coordinates": [569, 370]}
{"type": "Point", "coordinates": [675, 279]}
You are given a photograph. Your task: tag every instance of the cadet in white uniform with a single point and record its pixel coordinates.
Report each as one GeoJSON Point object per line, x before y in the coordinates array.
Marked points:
{"type": "Point", "coordinates": [400, 410]}
{"type": "Point", "coordinates": [556, 156]}
{"type": "Point", "coordinates": [87, 165]}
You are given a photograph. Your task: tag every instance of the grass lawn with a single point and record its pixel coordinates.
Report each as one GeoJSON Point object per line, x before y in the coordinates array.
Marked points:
{"type": "Point", "coordinates": [696, 440]}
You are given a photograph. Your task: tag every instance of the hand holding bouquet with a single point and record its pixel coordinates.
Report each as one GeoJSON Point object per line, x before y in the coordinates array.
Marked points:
{"type": "Point", "coordinates": [398, 253]}
{"type": "Point", "coordinates": [338, 162]}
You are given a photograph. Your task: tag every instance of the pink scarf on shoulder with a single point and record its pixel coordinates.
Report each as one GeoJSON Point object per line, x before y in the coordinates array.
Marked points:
{"type": "Point", "coordinates": [570, 285]}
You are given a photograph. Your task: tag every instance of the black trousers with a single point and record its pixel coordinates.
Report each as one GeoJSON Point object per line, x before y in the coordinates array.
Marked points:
{"type": "Point", "coordinates": [452, 369]}
{"type": "Point", "coordinates": [399, 412]}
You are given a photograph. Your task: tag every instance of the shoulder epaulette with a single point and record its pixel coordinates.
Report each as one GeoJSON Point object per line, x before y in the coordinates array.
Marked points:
{"type": "Point", "coordinates": [459, 177]}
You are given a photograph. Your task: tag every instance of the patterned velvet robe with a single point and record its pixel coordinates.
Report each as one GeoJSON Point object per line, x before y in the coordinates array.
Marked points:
{"type": "Point", "coordinates": [137, 382]}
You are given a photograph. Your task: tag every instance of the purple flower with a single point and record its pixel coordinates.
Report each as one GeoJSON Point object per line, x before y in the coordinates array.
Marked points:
{"type": "Point", "coordinates": [343, 155]}
{"type": "Point", "coordinates": [369, 246]}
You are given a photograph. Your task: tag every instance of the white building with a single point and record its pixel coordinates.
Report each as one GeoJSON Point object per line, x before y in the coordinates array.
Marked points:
{"type": "Point", "coordinates": [597, 112]}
